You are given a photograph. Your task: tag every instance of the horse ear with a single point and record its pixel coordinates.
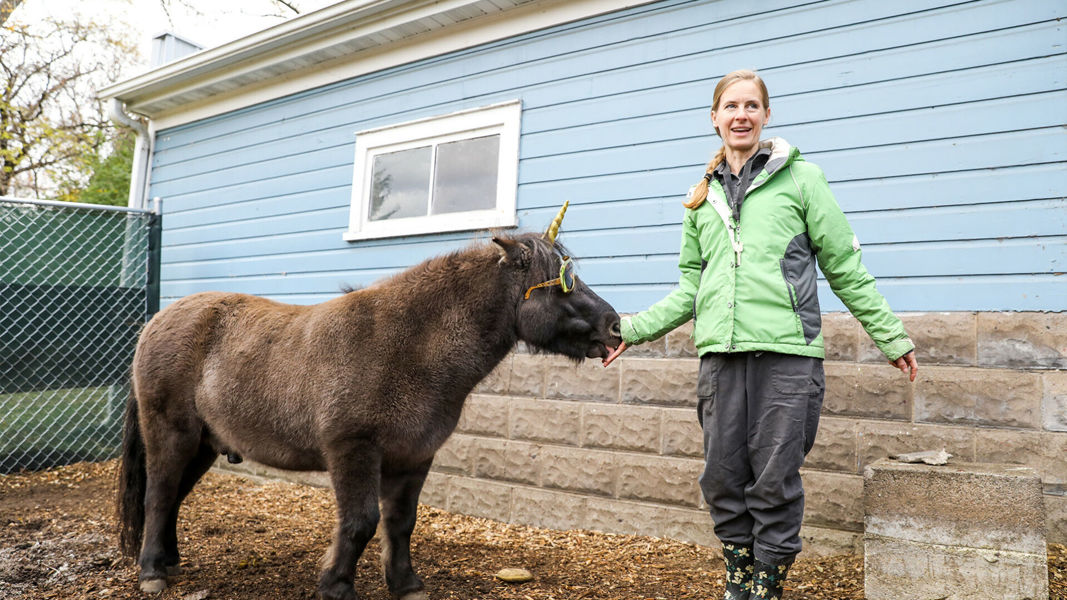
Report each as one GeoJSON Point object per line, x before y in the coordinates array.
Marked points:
{"type": "Point", "coordinates": [512, 251]}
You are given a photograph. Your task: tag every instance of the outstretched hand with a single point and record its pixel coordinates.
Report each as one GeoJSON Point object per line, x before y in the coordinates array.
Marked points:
{"type": "Point", "coordinates": [615, 354]}
{"type": "Point", "coordinates": [905, 363]}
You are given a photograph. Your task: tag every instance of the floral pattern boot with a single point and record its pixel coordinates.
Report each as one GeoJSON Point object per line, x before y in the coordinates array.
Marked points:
{"type": "Point", "coordinates": [739, 561]}
{"type": "Point", "coordinates": [767, 581]}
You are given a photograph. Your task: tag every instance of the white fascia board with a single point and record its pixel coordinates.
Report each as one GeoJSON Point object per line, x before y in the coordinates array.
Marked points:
{"type": "Point", "coordinates": [331, 27]}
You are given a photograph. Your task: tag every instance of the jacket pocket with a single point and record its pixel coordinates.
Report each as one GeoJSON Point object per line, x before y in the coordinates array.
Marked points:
{"type": "Point", "coordinates": [791, 291]}
{"type": "Point", "coordinates": [789, 288]}
{"type": "Point", "coordinates": [798, 270]}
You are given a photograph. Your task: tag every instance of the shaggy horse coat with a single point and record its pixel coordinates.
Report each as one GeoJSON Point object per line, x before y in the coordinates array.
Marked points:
{"type": "Point", "coordinates": [366, 386]}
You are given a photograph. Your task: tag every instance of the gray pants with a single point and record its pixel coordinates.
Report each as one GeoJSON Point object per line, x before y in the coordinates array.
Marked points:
{"type": "Point", "coordinates": [759, 412]}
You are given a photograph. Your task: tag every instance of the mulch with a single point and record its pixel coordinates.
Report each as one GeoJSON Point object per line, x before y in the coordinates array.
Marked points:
{"type": "Point", "coordinates": [262, 540]}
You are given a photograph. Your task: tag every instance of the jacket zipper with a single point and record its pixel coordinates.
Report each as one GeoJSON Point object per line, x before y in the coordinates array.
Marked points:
{"type": "Point", "coordinates": [789, 287]}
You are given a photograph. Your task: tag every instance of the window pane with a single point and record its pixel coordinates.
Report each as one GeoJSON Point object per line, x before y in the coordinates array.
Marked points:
{"type": "Point", "coordinates": [466, 175]}
{"type": "Point", "coordinates": [399, 184]}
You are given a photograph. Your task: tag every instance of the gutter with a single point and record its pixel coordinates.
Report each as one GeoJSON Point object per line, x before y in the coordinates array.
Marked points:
{"type": "Point", "coordinates": [142, 153]}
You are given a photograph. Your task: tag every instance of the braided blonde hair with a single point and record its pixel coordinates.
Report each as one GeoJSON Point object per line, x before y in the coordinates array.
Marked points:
{"type": "Point", "coordinates": [700, 190]}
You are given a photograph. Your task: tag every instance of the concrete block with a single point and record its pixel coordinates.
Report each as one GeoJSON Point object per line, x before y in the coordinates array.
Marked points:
{"type": "Point", "coordinates": [549, 509]}
{"type": "Point", "coordinates": [1022, 339]}
{"type": "Point", "coordinates": [504, 460]}
{"type": "Point", "coordinates": [841, 333]}
{"type": "Point", "coordinates": [485, 415]}
{"type": "Point", "coordinates": [1043, 452]}
{"type": "Point", "coordinates": [545, 421]}
{"type": "Point", "coordinates": [984, 397]}
{"type": "Point", "coordinates": [454, 455]}
{"type": "Point", "coordinates": [609, 515]}
{"type": "Point", "coordinates": [1056, 518]}
{"type": "Point", "coordinates": [680, 342]}
{"type": "Point", "coordinates": [527, 376]}
{"type": "Point", "coordinates": [1054, 400]}
{"type": "Point", "coordinates": [496, 382]}
{"type": "Point", "coordinates": [833, 500]}
{"type": "Point", "coordinates": [692, 526]}
{"type": "Point", "coordinates": [635, 428]}
{"type": "Point", "coordinates": [900, 570]}
{"type": "Point", "coordinates": [835, 446]}
{"type": "Point", "coordinates": [825, 541]}
{"type": "Point", "coordinates": [944, 338]}
{"type": "Point", "coordinates": [878, 440]}
{"type": "Point", "coordinates": [682, 435]}
{"type": "Point", "coordinates": [668, 382]}
{"type": "Point", "coordinates": [579, 470]}
{"type": "Point", "coordinates": [964, 530]}
{"type": "Point", "coordinates": [479, 498]}
{"type": "Point", "coordinates": [435, 490]}
{"type": "Point", "coordinates": [660, 479]}
{"type": "Point", "coordinates": [870, 391]}
{"type": "Point", "coordinates": [588, 381]}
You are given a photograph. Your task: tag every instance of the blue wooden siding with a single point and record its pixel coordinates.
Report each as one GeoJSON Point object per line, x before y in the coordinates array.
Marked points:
{"type": "Point", "coordinates": [940, 125]}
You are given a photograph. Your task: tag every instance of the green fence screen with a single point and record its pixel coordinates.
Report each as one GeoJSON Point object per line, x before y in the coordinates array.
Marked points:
{"type": "Point", "coordinates": [77, 284]}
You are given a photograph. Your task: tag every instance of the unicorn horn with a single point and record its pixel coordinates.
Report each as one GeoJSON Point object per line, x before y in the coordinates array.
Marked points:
{"type": "Point", "coordinates": [553, 229]}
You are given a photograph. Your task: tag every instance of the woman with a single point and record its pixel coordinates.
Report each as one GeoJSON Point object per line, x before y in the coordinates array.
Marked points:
{"type": "Point", "coordinates": [756, 225]}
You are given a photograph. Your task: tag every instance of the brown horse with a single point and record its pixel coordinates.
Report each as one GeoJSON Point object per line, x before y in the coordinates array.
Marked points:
{"type": "Point", "coordinates": [366, 386]}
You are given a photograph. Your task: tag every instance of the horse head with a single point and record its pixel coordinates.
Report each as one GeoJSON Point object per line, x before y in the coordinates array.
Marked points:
{"type": "Point", "coordinates": [558, 312]}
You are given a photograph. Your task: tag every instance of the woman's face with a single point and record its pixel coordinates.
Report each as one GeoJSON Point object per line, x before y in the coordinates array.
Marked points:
{"type": "Point", "coordinates": [740, 116]}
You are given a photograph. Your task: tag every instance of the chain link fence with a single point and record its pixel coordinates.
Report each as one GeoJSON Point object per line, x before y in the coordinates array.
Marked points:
{"type": "Point", "coordinates": [77, 284]}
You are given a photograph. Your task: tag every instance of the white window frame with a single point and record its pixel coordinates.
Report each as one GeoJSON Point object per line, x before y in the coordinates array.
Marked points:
{"type": "Point", "coordinates": [497, 119]}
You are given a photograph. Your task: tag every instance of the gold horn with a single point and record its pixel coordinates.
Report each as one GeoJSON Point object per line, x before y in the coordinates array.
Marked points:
{"type": "Point", "coordinates": [553, 229]}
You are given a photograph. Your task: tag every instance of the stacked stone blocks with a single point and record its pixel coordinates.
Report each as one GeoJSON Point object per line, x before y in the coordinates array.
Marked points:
{"type": "Point", "coordinates": [545, 442]}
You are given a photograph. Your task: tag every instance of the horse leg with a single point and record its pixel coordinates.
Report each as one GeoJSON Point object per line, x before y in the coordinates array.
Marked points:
{"type": "Point", "coordinates": [355, 469]}
{"type": "Point", "coordinates": [400, 500]}
{"type": "Point", "coordinates": [196, 468]}
{"type": "Point", "coordinates": [169, 451]}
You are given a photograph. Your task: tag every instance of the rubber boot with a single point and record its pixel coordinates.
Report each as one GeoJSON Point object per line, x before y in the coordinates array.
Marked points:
{"type": "Point", "coordinates": [739, 561]}
{"type": "Point", "coordinates": [768, 580]}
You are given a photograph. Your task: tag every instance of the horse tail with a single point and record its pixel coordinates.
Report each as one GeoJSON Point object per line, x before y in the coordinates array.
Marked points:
{"type": "Point", "coordinates": [132, 476]}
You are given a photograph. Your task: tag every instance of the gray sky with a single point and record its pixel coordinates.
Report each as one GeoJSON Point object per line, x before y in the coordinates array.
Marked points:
{"type": "Point", "coordinates": [221, 20]}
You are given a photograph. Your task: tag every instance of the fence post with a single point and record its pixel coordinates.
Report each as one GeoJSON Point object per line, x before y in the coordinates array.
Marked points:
{"type": "Point", "coordinates": [155, 234]}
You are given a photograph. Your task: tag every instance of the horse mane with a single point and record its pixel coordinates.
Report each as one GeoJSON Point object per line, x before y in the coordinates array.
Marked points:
{"type": "Point", "coordinates": [475, 260]}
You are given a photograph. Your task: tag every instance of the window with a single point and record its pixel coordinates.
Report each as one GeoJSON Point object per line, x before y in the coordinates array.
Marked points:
{"type": "Point", "coordinates": [449, 173]}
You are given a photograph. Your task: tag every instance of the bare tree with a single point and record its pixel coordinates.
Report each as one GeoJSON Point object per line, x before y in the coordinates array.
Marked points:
{"type": "Point", "coordinates": [50, 121]}
{"type": "Point", "coordinates": [271, 8]}
{"type": "Point", "coordinates": [6, 8]}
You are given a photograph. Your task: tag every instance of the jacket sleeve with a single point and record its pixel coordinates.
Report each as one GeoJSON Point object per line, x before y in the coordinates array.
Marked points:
{"type": "Point", "coordinates": [840, 258]}
{"type": "Point", "coordinates": [677, 307]}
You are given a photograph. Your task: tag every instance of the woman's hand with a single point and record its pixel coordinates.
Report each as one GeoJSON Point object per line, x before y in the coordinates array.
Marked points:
{"type": "Point", "coordinates": [622, 347]}
{"type": "Point", "coordinates": [904, 363]}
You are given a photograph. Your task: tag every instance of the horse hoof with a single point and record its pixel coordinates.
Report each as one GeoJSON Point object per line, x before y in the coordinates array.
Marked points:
{"type": "Point", "coordinates": [153, 586]}
{"type": "Point", "coordinates": [419, 595]}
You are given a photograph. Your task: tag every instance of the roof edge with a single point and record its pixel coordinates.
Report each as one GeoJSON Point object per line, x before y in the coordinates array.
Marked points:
{"type": "Point", "coordinates": [274, 61]}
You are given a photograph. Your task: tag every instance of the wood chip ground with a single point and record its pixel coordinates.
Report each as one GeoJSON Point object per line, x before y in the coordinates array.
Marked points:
{"type": "Point", "coordinates": [255, 540]}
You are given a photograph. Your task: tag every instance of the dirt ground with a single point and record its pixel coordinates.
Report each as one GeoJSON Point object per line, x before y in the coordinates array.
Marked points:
{"type": "Point", "coordinates": [262, 540]}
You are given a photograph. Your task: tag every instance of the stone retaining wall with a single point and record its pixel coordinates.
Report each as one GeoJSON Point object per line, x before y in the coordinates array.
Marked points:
{"type": "Point", "coordinates": [544, 442]}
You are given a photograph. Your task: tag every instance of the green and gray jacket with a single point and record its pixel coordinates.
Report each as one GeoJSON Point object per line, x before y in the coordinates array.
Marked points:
{"type": "Point", "coordinates": [756, 289]}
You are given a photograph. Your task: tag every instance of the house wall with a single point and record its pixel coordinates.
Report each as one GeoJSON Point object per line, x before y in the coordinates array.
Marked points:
{"type": "Point", "coordinates": [939, 125]}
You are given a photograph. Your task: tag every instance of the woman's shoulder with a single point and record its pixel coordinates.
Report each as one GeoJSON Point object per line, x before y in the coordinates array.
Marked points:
{"type": "Point", "coordinates": [806, 170]}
